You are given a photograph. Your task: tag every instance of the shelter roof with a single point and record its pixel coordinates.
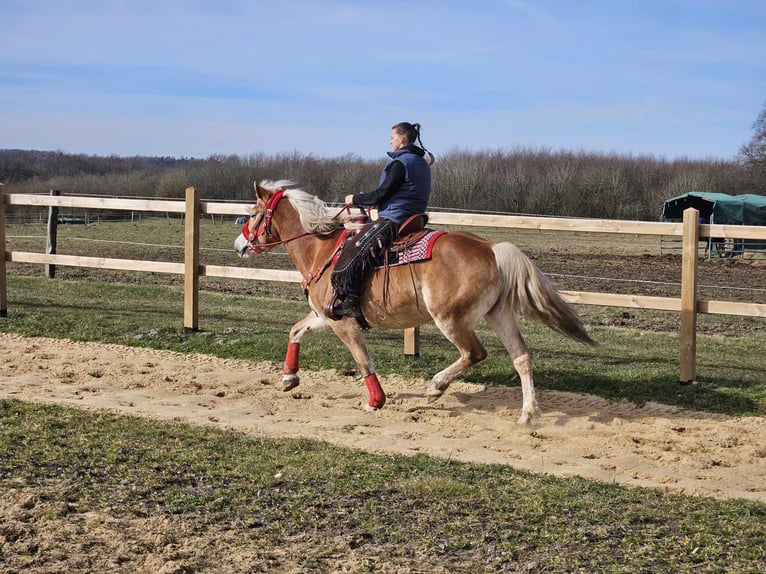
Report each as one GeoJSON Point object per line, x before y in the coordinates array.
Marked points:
{"type": "Point", "coordinates": [744, 209]}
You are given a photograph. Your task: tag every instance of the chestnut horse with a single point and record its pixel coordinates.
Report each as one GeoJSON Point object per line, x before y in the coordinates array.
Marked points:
{"type": "Point", "coordinates": [467, 278]}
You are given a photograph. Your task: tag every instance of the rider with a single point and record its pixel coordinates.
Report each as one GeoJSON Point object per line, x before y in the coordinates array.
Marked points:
{"type": "Point", "coordinates": [405, 186]}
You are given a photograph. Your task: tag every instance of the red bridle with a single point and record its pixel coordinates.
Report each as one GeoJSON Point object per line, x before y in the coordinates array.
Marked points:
{"type": "Point", "coordinates": [264, 226]}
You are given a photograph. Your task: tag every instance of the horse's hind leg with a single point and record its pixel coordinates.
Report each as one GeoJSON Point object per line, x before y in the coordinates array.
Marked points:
{"type": "Point", "coordinates": [311, 322]}
{"type": "Point", "coordinates": [508, 330]}
{"type": "Point", "coordinates": [471, 352]}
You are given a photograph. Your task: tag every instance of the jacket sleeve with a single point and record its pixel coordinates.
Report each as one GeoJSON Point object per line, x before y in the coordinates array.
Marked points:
{"type": "Point", "coordinates": [391, 183]}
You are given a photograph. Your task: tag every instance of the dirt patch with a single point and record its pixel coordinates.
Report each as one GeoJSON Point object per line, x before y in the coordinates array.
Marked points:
{"type": "Point", "coordinates": [655, 445]}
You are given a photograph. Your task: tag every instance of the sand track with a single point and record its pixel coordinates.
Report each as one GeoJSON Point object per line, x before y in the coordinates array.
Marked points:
{"type": "Point", "coordinates": [655, 446]}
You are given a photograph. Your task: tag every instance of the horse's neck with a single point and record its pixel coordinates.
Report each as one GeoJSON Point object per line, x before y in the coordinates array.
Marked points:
{"type": "Point", "coordinates": [307, 251]}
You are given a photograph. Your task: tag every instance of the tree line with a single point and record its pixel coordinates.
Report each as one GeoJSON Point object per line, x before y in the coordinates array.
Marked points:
{"type": "Point", "coordinates": [521, 180]}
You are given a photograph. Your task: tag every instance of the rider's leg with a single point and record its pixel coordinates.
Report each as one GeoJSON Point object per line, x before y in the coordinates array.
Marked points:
{"type": "Point", "coordinates": [349, 307]}
{"type": "Point", "coordinates": [371, 243]}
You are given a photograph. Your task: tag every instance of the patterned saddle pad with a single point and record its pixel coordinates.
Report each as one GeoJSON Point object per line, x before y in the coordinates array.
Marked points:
{"type": "Point", "coordinates": [420, 250]}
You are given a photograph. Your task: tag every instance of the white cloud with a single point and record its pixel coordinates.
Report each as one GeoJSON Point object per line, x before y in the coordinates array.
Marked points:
{"type": "Point", "coordinates": [533, 10]}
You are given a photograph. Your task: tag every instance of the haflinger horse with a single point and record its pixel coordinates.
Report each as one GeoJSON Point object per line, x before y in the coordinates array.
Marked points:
{"type": "Point", "coordinates": [467, 278]}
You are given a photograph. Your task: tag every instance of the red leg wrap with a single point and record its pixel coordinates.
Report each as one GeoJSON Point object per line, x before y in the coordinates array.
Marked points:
{"type": "Point", "coordinates": [377, 396]}
{"type": "Point", "coordinates": [291, 360]}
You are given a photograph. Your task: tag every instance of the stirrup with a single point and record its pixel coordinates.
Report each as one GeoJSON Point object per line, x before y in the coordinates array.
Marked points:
{"type": "Point", "coordinates": [349, 307]}
{"type": "Point", "coordinates": [332, 306]}
{"type": "Point", "coordinates": [329, 309]}
{"type": "Point", "coordinates": [335, 309]}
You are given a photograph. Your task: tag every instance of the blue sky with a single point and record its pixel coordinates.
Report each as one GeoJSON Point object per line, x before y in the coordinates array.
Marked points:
{"type": "Point", "coordinates": [668, 78]}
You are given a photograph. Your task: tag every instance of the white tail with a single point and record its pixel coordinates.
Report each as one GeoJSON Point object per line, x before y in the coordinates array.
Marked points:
{"type": "Point", "coordinates": [531, 294]}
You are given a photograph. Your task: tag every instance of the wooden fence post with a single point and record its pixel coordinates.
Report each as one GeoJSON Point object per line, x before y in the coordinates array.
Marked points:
{"type": "Point", "coordinates": [689, 296]}
{"type": "Point", "coordinates": [3, 276]}
{"type": "Point", "coordinates": [191, 261]}
{"type": "Point", "coordinates": [50, 240]}
{"type": "Point", "coordinates": [412, 342]}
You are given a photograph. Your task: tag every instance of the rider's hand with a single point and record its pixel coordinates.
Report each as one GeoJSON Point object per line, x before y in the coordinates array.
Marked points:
{"type": "Point", "coordinates": [349, 200]}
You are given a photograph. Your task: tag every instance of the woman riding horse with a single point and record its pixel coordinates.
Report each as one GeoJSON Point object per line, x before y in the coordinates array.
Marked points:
{"type": "Point", "coordinates": [465, 279]}
{"type": "Point", "coordinates": [405, 186]}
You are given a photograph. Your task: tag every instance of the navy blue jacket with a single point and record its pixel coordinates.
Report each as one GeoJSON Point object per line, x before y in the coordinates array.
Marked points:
{"type": "Point", "coordinates": [405, 185]}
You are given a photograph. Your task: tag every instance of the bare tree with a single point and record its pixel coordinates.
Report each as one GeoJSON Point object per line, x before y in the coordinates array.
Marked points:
{"type": "Point", "coordinates": [753, 153]}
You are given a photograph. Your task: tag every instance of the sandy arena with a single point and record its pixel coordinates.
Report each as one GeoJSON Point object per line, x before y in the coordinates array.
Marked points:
{"type": "Point", "coordinates": [655, 446]}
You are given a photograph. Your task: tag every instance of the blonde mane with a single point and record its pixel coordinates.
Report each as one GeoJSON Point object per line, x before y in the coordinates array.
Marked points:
{"type": "Point", "coordinates": [315, 215]}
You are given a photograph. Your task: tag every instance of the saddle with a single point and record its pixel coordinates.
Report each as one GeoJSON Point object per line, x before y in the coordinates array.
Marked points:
{"type": "Point", "coordinates": [412, 230]}
{"type": "Point", "coordinates": [414, 243]}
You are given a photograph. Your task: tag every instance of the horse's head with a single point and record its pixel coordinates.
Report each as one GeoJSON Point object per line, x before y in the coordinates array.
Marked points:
{"type": "Point", "coordinates": [257, 235]}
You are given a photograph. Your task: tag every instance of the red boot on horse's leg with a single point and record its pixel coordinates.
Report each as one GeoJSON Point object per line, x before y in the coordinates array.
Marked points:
{"type": "Point", "coordinates": [311, 323]}
{"type": "Point", "coordinates": [377, 396]}
{"type": "Point", "coordinates": [291, 360]}
{"type": "Point", "coordinates": [290, 378]}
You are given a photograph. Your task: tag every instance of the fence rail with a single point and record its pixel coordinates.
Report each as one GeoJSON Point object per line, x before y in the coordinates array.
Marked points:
{"type": "Point", "coordinates": [690, 231]}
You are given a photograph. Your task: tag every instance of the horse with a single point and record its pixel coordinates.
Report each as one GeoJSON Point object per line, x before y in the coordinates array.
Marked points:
{"type": "Point", "coordinates": [465, 279]}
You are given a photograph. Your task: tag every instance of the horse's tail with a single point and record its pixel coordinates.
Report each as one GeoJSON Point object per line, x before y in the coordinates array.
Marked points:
{"type": "Point", "coordinates": [529, 293]}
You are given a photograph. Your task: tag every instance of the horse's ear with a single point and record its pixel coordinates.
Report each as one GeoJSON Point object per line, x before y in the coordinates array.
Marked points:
{"type": "Point", "coordinates": [261, 192]}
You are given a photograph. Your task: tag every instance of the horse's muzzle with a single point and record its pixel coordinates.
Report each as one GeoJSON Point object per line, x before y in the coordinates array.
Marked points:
{"type": "Point", "coordinates": [243, 247]}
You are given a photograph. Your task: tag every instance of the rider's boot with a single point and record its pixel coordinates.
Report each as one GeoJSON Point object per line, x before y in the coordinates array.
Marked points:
{"type": "Point", "coordinates": [349, 307]}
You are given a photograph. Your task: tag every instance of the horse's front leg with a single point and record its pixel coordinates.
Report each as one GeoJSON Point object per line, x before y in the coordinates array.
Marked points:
{"type": "Point", "coordinates": [310, 323]}
{"type": "Point", "coordinates": [352, 336]}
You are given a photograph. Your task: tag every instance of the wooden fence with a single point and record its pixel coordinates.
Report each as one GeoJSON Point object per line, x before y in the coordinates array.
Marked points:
{"type": "Point", "coordinates": [690, 232]}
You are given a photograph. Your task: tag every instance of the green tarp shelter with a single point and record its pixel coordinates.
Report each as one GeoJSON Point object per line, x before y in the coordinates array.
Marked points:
{"type": "Point", "coordinates": [721, 208]}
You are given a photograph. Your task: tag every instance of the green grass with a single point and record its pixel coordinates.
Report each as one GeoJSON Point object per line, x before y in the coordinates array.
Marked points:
{"type": "Point", "coordinates": [324, 502]}
{"type": "Point", "coordinates": [299, 504]}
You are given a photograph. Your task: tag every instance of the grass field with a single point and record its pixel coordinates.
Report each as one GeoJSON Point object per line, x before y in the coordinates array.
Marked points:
{"type": "Point", "coordinates": [102, 493]}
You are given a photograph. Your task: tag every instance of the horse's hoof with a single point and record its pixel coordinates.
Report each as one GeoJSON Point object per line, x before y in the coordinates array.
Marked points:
{"type": "Point", "coordinates": [433, 394]}
{"type": "Point", "coordinates": [528, 416]}
{"type": "Point", "coordinates": [290, 382]}
{"type": "Point", "coordinates": [375, 404]}
{"type": "Point", "coordinates": [525, 419]}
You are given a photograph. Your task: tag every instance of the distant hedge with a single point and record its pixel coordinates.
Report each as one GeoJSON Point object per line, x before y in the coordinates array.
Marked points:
{"type": "Point", "coordinates": [521, 180]}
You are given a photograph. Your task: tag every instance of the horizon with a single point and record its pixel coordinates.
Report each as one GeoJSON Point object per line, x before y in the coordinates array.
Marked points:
{"type": "Point", "coordinates": [671, 80]}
